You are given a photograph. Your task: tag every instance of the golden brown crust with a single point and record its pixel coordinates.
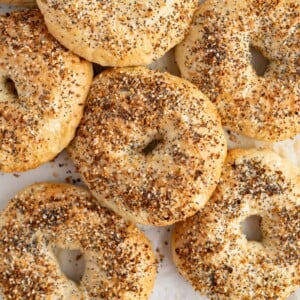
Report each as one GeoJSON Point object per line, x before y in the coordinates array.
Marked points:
{"type": "Point", "coordinates": [216, 57]}
{"type": "Point", "coordinates": [119, 261]}
{"type": "Point", "coordinates": [128, 109]}
{"type": "Point", "coordinates": [118, 33]}
{"type": "Point", "coordinates": [27, 3]}
{"type": "Point", "coordinates": [210, 249]}
{"type": "Point", "coordinates": [42, 92]}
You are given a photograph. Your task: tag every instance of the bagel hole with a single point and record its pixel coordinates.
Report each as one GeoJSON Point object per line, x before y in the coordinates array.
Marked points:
{"type": "Point", "coordinates": [10, 87]}
{"type": "Point", "coordinates": [258, 61]}
{"type": "Point", "coordinates": [251, 228]}
{"type": "Point", "coordinates": [151, 146]}
{"type": "Point", "coordinates": [71, 263]}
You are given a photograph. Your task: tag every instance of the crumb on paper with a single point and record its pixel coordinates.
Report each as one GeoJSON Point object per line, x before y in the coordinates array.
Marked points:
{"type": "Point", "coordinates": [68, 179]}
{"type": "Point", "coordinates": [232, 137]}
{"type": "Point", "coordinates": [160, 255]}
{"type": "Point", "coordinates": [76, 180]}
{"type": "Point", "coordinates": [78, 257]}
{"type": "Point", "coordinates": [71, 179]}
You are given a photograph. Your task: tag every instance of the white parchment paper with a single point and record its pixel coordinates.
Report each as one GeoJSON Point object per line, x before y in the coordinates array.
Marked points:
{"type": "Point", "coordinates": [169, 284]}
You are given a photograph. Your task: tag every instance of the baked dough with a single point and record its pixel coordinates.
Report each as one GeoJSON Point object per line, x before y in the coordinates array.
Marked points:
{"type": "Point", "coordinates": [215, 56]}
{"type": "Point", "coordinates": [30, 3]}
{"type": "Point", "coordinates": [150, 145]}
{"type": "Point", "coordinates": [210, 249]}
{"type": "Point", "coordinates": [118, 33]}
{"type": "Point", "coordinates": [43, 87]}
{"type": "Point", "coordinates": [119, 262]}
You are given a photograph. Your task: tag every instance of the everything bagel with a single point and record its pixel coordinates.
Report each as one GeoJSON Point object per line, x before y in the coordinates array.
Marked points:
{"type": "Point", "coordinates": [150, 145]}
{"type": "Point", "coordinates": [43, 87]}
{"type": "Point", "coordinates": [119, 262]}
{"type": "Point", "coordinates": [210, 249]}
{"type": "Point", "coordinates": [216, 57]}
{"type": "Point", "coordinates": [118, 33]}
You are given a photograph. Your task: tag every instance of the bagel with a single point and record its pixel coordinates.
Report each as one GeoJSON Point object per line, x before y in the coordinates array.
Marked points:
{"type": "Point", "coordinates": [216, 57]}
{"type": "Point", "coordinates": [29, 3]}
{"type": "Point", "coordinates": [119, 262]}
{"type": "Point", "coordinates": [119, 34]}
{"type": "Point", "coordinates": [150, 145]}
{"type": "Point", "coordinates": [43, 87]}
{"type": "Point", "coordinates": [210, 249]}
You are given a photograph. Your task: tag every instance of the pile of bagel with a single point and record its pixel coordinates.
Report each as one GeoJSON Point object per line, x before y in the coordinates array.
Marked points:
{"type": "Point", "coordinates": [150, 147]}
